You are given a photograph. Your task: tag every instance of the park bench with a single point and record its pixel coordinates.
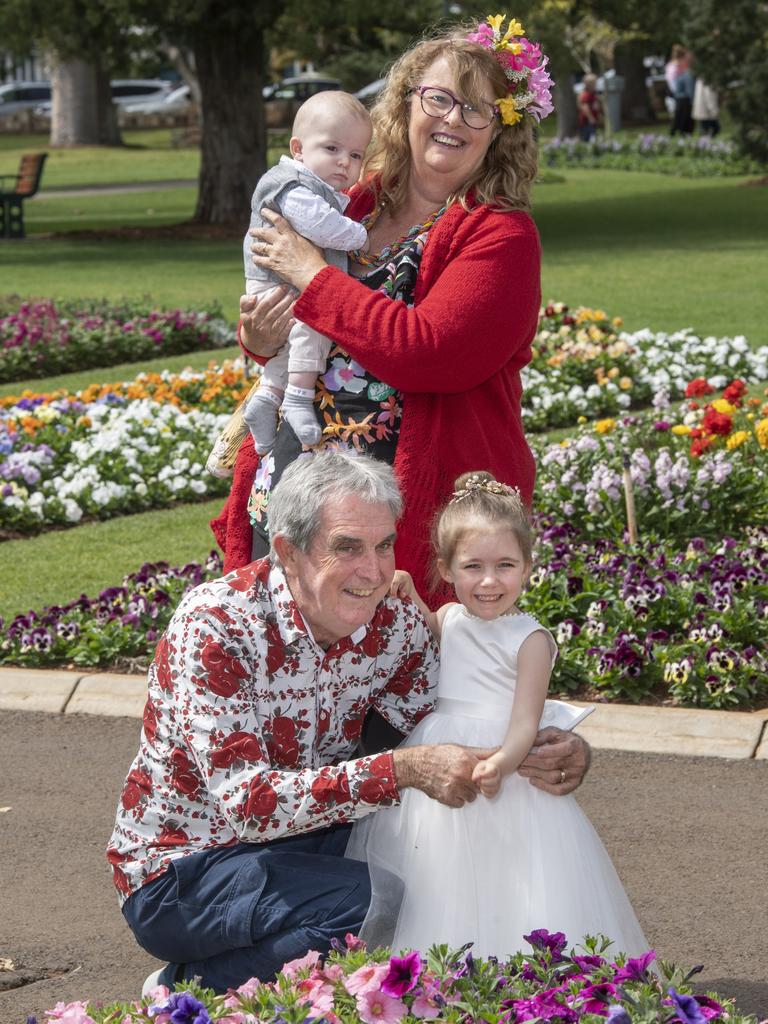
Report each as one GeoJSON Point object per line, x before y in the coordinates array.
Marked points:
{"type": "Point", "coordinates": [26, 185]}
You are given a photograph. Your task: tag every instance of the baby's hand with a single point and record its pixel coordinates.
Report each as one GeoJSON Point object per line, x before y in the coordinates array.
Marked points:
{"type": "Point", "coordinates": [402, 584]}
{"type": "Point", "coordinates": [487, 777]}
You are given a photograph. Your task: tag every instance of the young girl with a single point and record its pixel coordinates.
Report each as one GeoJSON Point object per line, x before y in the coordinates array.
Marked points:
{"type": "Point", "coordinates": [517, 858]}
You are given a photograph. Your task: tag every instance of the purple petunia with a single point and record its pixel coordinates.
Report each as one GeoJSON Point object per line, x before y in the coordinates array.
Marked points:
{"type": "Point", "coordinates": [404, 972]}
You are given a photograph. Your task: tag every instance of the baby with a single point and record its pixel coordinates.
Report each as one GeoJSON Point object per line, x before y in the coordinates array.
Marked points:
{"type": "Point", "coordinates": [330, 135]}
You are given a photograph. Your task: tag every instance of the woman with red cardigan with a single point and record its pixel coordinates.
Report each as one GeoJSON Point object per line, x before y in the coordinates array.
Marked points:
{"type": "Point", "coordinates": [436, 322]}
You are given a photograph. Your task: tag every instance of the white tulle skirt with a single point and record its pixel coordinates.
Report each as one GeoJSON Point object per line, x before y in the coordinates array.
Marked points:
{"type": "Point", "coordinates": [491, 871]}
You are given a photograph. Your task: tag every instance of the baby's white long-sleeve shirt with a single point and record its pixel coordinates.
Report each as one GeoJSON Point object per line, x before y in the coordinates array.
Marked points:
{"type": "Point", "coordinates": [312, 217]}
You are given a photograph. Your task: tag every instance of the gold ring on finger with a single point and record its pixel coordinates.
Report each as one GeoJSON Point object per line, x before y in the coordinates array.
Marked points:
{"type": "Point", "coordinates": [562, 776]}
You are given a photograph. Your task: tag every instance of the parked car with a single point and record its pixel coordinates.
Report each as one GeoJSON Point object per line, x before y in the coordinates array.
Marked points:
{"type": "Point", "coordinates": [176, 100]}
{"type": "Point", "coordinates": [282, 100]}
{"type": "Point", "coordinates": [16, 96]}
{"type": "Point", "coordinates": [124, 91]}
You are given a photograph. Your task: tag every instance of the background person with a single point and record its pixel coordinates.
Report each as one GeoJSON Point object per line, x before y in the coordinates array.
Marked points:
{"type": "Point", "coordinates": [227, 850]}
{"type": "Point", "coordinates": [590, 109]}
{"type": "Point", "coordinates": [434, 332]}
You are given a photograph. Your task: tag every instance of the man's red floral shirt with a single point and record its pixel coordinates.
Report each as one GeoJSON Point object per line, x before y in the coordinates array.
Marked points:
{"type": "Point", "coordinates": [250, 725]}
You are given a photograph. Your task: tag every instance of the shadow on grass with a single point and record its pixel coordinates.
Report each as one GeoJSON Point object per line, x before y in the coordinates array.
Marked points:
{"type": "Point", "coordinates": [725, 216]}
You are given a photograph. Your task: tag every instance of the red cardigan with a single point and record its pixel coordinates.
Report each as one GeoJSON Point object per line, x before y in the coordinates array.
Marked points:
{"type": "Point", "coordinates": [456, 356]}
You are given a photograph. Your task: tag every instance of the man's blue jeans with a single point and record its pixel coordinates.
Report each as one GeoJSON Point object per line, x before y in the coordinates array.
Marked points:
{"type": "Point", "coordinates": [236, 912]}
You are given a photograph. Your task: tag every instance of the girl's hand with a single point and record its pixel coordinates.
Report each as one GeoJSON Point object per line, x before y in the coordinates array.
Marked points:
{"type": "Point", "coordinates": [402, 584]}
{"type": "Point", "coordinates": [486, 775]}
{"type": "Point", "coordinates": [281, 249]}
{"type": "Point", "coordinates": [266, 321]}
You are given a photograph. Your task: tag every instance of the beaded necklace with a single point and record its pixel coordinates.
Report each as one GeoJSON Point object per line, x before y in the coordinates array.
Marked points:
{"type": "Point", "coordinates": [374, 259]}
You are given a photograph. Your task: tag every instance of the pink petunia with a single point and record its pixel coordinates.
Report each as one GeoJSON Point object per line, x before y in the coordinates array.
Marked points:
{"type": "Point", "coordinates": [366, 979]}
{"type": "Point", "coordinates": [318, 993]}
{"type": "Point", "coordinates": [71, 1013]}
{"type": "Point", "coordinates": [378, 1008]}
{"type": "Point", "coordinates": [292, 968]}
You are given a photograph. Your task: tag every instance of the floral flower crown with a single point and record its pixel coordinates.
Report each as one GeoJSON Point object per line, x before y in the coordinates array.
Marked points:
{"type": "Point", "coordinates": [475, 483]}
{"type": "Point", "coordinates": [530, 88]}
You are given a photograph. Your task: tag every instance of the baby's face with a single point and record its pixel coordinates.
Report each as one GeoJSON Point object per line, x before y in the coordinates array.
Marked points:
{"type": "Point", "coordinates": [334, 150]}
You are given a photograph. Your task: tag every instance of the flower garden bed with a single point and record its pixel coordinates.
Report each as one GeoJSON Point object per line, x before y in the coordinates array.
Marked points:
{"type": "Point", "coordinates": [352, 986]}
{"type": "Point", "coordinates": [42, 338]}
{"type": "Point", "coordinates": [112, 449]}
{"type": "Point", "coordinates": [683, 156]}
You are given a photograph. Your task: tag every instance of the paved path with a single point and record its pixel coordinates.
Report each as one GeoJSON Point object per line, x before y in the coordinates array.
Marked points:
{"type": "Point", "coordinates": [688, 836]}
{"type": "Point", "coordinates": [98, 190]}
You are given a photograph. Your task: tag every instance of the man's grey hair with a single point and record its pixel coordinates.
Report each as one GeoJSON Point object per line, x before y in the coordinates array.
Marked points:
{"type": "Point", "coordinates": [296, 504]}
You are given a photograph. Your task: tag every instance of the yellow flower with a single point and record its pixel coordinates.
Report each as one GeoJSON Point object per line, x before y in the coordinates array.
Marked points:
{"type": "Point", "coordinates": [761, 432]}
{"type": "Point", "coordinates": [581, 419]}
{"type": "Point", "coordinates": [513, 48]}
{"type": "Point", "coordinates": [724, 406]}
{"type": "Point", "coordinates": [737, 438]}
{"type": "Point", "coordinates": [595, 333]}
{"type": "Point", "coordinates": [617, 321]}
{"type": "Point", "coordinates": [507, 110]}
{"type": "Point", "coordinates": [681, 430]}
{"type": "Point", "coordinates": [515, 29]}
{"type": "Point", "coordinates": [613, 372]}
{"type": "Point", "coordinates": [625, 383]}
{"type": "Point", "coordinates": [599, 314]}
{"type": "Point", "coordinates": [495, 20]}
{"type": "Point", "coordinates": [605, 426]}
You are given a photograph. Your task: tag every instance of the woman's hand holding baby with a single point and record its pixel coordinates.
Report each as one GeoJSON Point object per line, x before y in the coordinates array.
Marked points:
{"type": "Point", "coordinates": [285, 252]}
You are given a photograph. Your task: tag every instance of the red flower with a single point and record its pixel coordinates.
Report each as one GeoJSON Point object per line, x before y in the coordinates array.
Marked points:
{"type": "Point", "coordinates": [734, 392]}
{"type": "Point", "coordinates": [698, 387]}
{"type": "Point", "coordinates": [138, 786]}
{"type": "Point", "coordinates": [323, 721]}
{"type": "Point", "coordinates": [700, 445]}
{"type": "Point", "coordinates": [372, 791]}
{"type": "Point", "coordinates": [261, 800]}
{"type": "Point", "coordinates": [353, 727]}
{"type": "Point", "coordinates": [243, 579]}
{"type": "Point", "coordinates": [331, 789]}
{"type": "Point", "coordinates": [150, 722]}
{"type": "Point", "coordinates": [401, 683]}
{"type": "Point", "coordinates": [184, 777]}
{"type": "Point", "coordinates": [284, 747]}
{"type": "Point", "coordinates": [275, 648]}
{"type": "Point", "coordinates": [162, 664]}
{"type": "Point", "coordinates": [121, 880]}
{"type": "Point", "coordinates": [225, 672]}
{"type": "Point", "coordinates": [715, 422]}
{"type": "Point", "coordinates": [171, 836]}
{"type": "Point", "coordinates": [238, 746]}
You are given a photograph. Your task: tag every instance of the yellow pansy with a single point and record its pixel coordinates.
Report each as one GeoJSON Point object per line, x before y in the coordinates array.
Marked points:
{"type": "Point", "coordinates": [605, 426]}
{"type": "Point", "coordinates": [507, 110]}
{"type": "Point", "coordinates": [761, 432]}
{"type": "Point", "coordinates": [681, 429]}
{"type": "Point", "coordinates": [737, 438]}
{"type": "Point", "coordinates": [724, 406]}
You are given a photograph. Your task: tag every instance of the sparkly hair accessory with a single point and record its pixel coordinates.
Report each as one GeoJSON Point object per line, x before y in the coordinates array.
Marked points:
{"type": "Point", "coordinates": [529, 88]}
{"type": "Point", "coordinates": [475, 483]}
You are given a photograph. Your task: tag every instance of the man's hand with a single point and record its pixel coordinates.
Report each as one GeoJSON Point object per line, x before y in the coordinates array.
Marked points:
{"type": "Point", "coordinates": [558, 762]}
{"type": "Point", "coordinates": [443, 771]}
{"type": "Point", "coordinates": [266, 321]}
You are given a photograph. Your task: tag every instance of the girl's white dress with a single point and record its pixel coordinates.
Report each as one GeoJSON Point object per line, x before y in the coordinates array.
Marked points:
{"type": "Point", "coordinates": [495, 869]}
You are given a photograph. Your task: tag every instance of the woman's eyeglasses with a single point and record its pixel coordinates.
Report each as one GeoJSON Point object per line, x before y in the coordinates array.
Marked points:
{"type": "Point", "coordinates": [440, 102]}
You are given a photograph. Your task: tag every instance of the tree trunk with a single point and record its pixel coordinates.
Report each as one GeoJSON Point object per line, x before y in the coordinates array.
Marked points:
{"type": "Point", "coordinates": [230, 70]}
{"type": "Point", "coordinates": [635, 101]}
{"type": "Point", "coordinates": [565, 100]}
{"type": "Point", "coordinates": [82, 112]}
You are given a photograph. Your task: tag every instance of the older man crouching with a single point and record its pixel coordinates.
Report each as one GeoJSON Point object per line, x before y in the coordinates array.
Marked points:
{"type": "Point", "coordinates": [228, 848]}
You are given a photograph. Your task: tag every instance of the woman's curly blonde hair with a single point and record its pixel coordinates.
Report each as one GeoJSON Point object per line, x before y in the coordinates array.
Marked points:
{"type": "Point", "coordinates": [504, 179]}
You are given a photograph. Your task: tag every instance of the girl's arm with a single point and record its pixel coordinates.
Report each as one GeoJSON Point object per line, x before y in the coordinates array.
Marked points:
{"type": "Point", "coordinates": [403, 586]}
{"type": "Point", "coordinates": [534, 667]}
